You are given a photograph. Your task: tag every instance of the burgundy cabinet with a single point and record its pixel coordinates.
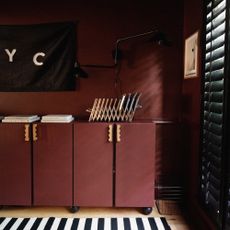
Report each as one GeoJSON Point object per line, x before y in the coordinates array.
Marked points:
{"type": "Point", "coordinates": [85, 164]}
{"type": "Point", "coordinates": [15, 164]}
{"type": "Point", "coordinates": [93, 165]}
{"type": "Point", "coordinates": [114, 164]}
{"type": "Point", "coordinates": [52, 164]}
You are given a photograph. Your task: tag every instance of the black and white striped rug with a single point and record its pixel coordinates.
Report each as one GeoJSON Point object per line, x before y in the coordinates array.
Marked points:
{"type": "Point", "coordinates": [53, 223]}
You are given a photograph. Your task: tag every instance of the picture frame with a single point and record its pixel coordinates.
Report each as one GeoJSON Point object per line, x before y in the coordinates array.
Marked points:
{"type": "Point", "coordinates": [191, 56]}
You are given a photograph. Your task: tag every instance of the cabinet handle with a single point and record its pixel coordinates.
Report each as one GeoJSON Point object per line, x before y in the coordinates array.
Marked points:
{"type": "Point", "coordinates": [110, 133]}
{"type": "Point", "coordinates": [27, 132]}
{"type": "Point", "coordinates": [118, 137]}
{"type": "Point", "coordinates": [35, 135]}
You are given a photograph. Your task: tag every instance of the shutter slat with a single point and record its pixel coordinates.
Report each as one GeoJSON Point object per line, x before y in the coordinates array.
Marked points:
{"type": "Point", "coordinates": [218, 29]}
{"type": "Point", "coordinates": [215, 193]}
{"type": "Point", "coordinates": [216, 161]}
{"type": "Point", "coordinates": [216, 129]}
{"type": "Point", "coordinates": [218, 9]}
{"type": "Point", "coordinates": [213, 128]}
{"type": "Point", "coordinates": [215, 150]}
{"type": "Point", "coordinates": [215, 75]}
{"type": "Point", "coordinates": [213, 117]}
{"type": "Point", "coordinates": [218, 53]}
{"type": "Point", "coordinates": [217, 96]}
{"type": "Point", "coordinates": [215, 173]}
{"type": "Point", "coordinates": [207, 56]}
{"type": "Point", "coordinates": [217, 64]}
{"type": "Point", "coordinates": [218, 6]}
{"type": "Point", "coordinates": [208, 37]}
{"type": "Point", "coordinates": [209, 7]}
{"type": "Point", "coordinates": [218, 38]}
{"type": "Point", "coordinates": [219, 19]}
{"type": "Point", "coordinates": [216, 107]}
{"type": "Point", "coordinates": [215, 139]}
{"type": "Point", "coordinates": [214, 65]}
{"type": "Point", "coordinates": [215, 53]}
{"type": "Point", "coordinates": [209, 157]}
{"type": "Point", "coordinates": [215, 86]}
{"type": "Point", "coordinates": [212, 202]}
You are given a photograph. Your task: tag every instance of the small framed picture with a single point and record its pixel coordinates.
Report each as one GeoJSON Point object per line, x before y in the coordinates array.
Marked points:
{"type": "Point", "coordinates": [191, 56]}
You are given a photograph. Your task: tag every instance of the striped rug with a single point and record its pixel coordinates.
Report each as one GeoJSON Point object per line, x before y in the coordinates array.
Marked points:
{"type": "Point", "coordinates": [53, 223]}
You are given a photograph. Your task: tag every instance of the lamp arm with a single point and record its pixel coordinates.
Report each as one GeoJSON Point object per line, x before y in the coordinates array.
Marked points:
{"type": "Point", "coordinates": [120, 40]}
{"type": "Point", "coordinates": [99, 66]}
{"type": "Point", "coordinates": [136, 36]}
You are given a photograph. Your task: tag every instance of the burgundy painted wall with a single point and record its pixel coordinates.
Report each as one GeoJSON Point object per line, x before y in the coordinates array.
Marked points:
{"type": "Point", "coordinates": [191, 100]}
{"type": "Point", "coordinates": [191, 93]}
{"type": "Point", "coordinates": [153, 70]}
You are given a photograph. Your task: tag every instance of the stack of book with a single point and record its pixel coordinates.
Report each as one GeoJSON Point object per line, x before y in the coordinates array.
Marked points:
{"type": "Point", "coordinates": [57, 118]}
{"type": "Point", "coordinates": [20, 118]}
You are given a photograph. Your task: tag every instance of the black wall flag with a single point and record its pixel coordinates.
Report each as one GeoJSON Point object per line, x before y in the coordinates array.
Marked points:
{"type": "Point", "coordinates": [37, 57]}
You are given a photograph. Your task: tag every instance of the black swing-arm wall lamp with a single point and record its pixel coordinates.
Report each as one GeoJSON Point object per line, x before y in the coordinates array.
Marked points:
{"type": "Point", "coordinates": [158, 37]}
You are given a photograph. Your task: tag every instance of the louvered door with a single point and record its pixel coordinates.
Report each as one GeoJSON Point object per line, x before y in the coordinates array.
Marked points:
{"type": "Point", "coordinates": [214, 83]}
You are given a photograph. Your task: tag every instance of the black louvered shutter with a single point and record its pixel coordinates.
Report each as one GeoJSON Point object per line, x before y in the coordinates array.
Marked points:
{"type": "Point", "coordinates": [226, 174]}
{"type": "Point", "coordinates": [212, 121]}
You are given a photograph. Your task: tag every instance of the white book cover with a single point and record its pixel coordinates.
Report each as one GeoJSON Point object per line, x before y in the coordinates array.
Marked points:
{"type": "Point", "coordinates": [57, 121]}
{"type": "Point", "coordinates": [21, 117]}
{"type": "Point", "coordinates": [17, 120]}
{"type": "Point", "coordinates": [57, 117]}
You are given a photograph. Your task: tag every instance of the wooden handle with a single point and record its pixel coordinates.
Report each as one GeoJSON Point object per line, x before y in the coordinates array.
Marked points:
{"type": "Point", "coordinates": [35, 135]}
{"type": "Point", "coordinates": [118, 137]}
{"type": "Point", "coordinates": [110, 133]}
{"type": "Point", "coordinates": [27, 132]}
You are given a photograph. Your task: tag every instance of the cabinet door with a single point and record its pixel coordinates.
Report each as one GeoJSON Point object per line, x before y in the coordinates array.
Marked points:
{"type": "Point", "coordinates": [53, 152]}
{"type": "Point", "coordinates": [135, 165]}
{"type": "Point", "coordinates": [93, 161]}
{"type": "Point", "coordinates": [15, 165]}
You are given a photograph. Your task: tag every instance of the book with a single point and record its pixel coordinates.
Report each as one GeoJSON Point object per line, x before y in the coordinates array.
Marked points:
{"type": "Point", "coordinates": [57, 121]}
{"type": "Point", "coordinates": [57, 118]}
{"type": "Point", "coordinates": [20, 120]}
{"type": "Point", "coordinates": [21, 117]}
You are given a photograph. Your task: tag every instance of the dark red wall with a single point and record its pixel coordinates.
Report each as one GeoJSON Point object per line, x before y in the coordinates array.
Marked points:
{"type": "Point", "coordinates": [191, 101]}
{"type": "Point", "coordinates": [153, 70]}
{"type": "Point", "coordinates": [191, 93]}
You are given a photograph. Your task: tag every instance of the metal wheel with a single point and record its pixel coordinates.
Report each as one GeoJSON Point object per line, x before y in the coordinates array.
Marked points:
{"type": "Point", "coordinates": [147, 210]}
{"type": "Point", "coordinates": [74, 209]}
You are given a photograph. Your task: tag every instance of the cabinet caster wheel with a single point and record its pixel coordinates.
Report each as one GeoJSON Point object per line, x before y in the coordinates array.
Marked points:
{"type": "Point", "coordinates": [74, 209]}
{"type": "Point", "coordinates": [147, 211]}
